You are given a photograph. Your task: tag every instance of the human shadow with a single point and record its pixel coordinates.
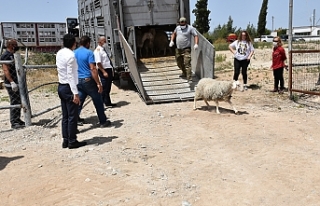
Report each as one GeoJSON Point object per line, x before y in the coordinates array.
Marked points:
{"type": "Point", "coordinates": [100, 140]}
{"type": "Point", "coordinates": [94, 123]}
{"type": "Point", "coordinates": [119, 104]}
{"type": "Point", "coordinates": [6, 160]}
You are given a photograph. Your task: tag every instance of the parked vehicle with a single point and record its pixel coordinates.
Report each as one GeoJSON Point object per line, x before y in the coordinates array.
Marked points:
{"type": "Point", "coordinates": [264, 38]}
{"type": "Point", "coordinates": [231, 38]}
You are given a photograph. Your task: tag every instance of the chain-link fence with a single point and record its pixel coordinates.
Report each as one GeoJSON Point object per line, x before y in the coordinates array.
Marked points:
{"type": "Point", "coordinates": [35, 97]}
{"type": "Point", "coordinates": [304, 79]}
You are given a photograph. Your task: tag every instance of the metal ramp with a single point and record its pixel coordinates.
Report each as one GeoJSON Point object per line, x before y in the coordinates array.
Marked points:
{"type": "Point", "coordinates": [161, 81]}
{"type": "Point", "coordinates": [157, 79]}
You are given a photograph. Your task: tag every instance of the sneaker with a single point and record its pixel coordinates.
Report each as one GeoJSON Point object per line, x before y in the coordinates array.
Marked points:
{"type": "Point", "coordinates": [106, 124]}
{"type": "Point", "coordinates": [245, 87]}
{"type": "Point", "coordinates": [76, 145]}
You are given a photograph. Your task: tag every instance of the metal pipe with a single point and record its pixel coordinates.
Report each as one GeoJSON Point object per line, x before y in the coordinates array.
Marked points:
{"type": "Point", "coordinates": [182, 9]}
{"type": "Point", "coordinates": [11, 106]}
{"type": "Point", "coordinates": [290, 46]}
{"type": "Point", "coordinates": [40, 66]}
{"type": "Point", "coordinates": [22, 83]}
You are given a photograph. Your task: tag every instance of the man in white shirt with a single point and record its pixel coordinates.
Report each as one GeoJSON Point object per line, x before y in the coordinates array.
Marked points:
{"type": "Point", "coordinates": [68, 92]}
{"type": "Point", "coordinates": [105, 70]}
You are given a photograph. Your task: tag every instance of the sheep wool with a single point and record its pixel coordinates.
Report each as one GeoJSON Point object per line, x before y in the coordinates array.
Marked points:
{"type": "Point", "coordinates": [210, 89]}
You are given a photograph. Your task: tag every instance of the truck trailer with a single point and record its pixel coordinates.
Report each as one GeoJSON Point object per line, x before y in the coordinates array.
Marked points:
{"type": "Point", "coordinates": [149, 62]}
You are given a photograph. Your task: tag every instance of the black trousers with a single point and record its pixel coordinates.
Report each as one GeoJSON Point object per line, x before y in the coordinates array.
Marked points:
{"type": "Point", "coordinates": [278, 78]}
{"type": "Point", "coordinates": [15, 113]}
{"type": "Point", "coordinates": [106, 84]}
{"type": "Point", "coordinates": [243, 65]}
{"type": "Point", "coordinates": [69, 113]}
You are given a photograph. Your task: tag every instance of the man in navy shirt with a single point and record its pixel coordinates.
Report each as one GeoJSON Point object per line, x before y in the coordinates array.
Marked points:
{"type": "Point", "coordinates": [89, 82]}
{"type": "Point", "coordinates": [11, 83]}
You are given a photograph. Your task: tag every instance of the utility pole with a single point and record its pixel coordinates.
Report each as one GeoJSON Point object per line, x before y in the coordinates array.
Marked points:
{"type": "Point", "coordinates": [314, 18]}
{"type": "Point", "coordinates": [272, 22]}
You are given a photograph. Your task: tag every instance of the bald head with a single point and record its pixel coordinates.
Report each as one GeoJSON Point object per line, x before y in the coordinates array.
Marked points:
{"type": "Point", "coordinates": [102, 40]}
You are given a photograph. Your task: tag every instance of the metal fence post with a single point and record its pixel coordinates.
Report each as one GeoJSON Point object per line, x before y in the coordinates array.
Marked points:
{"type": "Point", "coordinates": [22, 82]}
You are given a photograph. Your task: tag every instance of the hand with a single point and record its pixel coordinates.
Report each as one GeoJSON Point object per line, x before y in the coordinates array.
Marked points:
{"type": "Point", "coordinates": [14, 86]}
{"type": "Point", "coordinates": [105, 74]}
{"type": "Point", "coordinates": [171, 44]}
{"type": "Point", "coordinates": [76, 99]}
{"type": "Point", "coordinates": [195, 46]}
{"type": "Point", "coordinates": [100, 89]}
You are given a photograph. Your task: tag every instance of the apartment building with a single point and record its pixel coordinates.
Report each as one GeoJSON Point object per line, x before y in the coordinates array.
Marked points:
{"type": "Point", "coordinates": [38, 36]}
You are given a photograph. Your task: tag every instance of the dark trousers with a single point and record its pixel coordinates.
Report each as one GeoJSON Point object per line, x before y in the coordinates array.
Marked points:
{"type": "Point", "coordinates": [15, 99]}
{"type": "Point", "coordinates": [69, 113]}
{"type": "Point", "coordinates": [106, 84]}
{"type": "Point", "coordinates": [243, 65]}
{"type": "Point", "coordinates": [278, 77]}
{"type": "Point", "coordinates": [89, 87]}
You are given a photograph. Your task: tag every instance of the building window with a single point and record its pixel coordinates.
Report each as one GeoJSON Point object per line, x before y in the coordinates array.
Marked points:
{"type": "Point", "coordinates": [91, 6]}
{"type": "Point", "coordinates": [18, 32]}
{"type": "Point", "coordinates": [92, 22]}
{"type": "Point", "coordinates": [100, 21]}
{"type": "Point", "coordinates": [96, 4]}
{"type": "Point", "coordinates": [87, 8]}
{"type": "Point", "coordinates": [82, 11]}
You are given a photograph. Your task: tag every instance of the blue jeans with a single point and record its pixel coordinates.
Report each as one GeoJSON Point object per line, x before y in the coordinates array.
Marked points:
{"type": "Point", "coordinates": [69, 113]}
{"type": "Point", "coordinates": [89, 87]}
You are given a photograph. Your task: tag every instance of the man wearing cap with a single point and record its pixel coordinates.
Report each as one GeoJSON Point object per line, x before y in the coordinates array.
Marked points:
{"type": "Point", "coordinates": [183, 33]}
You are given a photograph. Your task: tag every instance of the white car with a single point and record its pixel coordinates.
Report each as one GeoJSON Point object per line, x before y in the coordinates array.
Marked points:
{"type": "Point", "coordinates": [266, 38]}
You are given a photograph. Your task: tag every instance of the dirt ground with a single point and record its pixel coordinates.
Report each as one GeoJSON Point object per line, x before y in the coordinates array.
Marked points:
{"type": "Point", "coordinates": [168, 154]}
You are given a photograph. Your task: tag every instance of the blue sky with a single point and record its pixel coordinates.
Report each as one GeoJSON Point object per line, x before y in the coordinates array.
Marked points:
{"type": "Point", "coordinates": [242, 12]}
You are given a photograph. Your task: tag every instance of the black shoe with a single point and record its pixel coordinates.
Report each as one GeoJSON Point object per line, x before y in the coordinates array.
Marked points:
{"type": "Point", "coordinates": [17, 126]}
{"type": "Point", "coordinates": [106, 124]}
{"type": "Point", "coordinates": [20, 122]}
{"type": "Point", "coordinates": [65, 144]}
{"type": "Point", "coordinates": [111, 105]}
{"type": "Point", "coordinates": [76, 145]}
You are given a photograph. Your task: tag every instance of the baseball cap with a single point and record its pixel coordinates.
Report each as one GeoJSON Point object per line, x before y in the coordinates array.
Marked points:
{"type": "Point", "coordinates": [182, 19]}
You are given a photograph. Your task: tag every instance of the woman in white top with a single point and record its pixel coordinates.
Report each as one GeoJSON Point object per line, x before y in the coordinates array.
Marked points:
{"type": "Point", "coordinates": [243, 51]}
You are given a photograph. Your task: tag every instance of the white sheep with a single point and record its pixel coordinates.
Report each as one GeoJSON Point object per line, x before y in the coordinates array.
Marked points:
{"type": "Point", "coordinates": [210, 89]}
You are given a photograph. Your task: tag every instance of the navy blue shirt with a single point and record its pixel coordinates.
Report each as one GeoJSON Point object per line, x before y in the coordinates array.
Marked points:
{"type": "Point", "coordinates": [7, 56]}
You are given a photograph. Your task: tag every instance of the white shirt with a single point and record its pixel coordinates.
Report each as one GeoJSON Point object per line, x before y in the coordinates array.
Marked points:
{"type": "Point", "coordinates": [100, 56]}
{"type": "Point", "coordinates": [67, 68]}
{"type": "Point", "coordinates": [243, 49]}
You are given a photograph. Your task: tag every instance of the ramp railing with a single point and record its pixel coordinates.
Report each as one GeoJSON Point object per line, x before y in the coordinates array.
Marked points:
{"type": "Point", "coordinates": [133, 67]}
{"type": "Point", "coordinates": [202, 59]}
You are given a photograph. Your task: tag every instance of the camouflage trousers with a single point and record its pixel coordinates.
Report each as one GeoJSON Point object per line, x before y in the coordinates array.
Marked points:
{"type": "Point", "coordinates": [183, 58]}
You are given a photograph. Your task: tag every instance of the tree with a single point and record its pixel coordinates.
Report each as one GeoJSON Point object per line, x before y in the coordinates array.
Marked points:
{"type": "Point", "coordinates": [201, 12]}
{"type": "Point", "coordinates": [263, 18]}
{"type": "Point", "coordinates": [229, 25]}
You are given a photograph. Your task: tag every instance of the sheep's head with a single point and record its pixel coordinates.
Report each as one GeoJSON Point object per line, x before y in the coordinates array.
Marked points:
{"type": "Point", "coordinates": [236, 85]}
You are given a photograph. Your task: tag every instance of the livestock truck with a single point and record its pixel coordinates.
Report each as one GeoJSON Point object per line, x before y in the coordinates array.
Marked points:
{"type": "Point", "coordinates": [149, 62]}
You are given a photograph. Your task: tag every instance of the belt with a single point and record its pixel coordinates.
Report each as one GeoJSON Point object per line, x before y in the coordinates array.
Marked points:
{"type": "Point", "coordinates": [63, 84]}
{"type": "Point", "coordinates": [86, 79]}
{"type": "Point", "coordinates": [108, 68]}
